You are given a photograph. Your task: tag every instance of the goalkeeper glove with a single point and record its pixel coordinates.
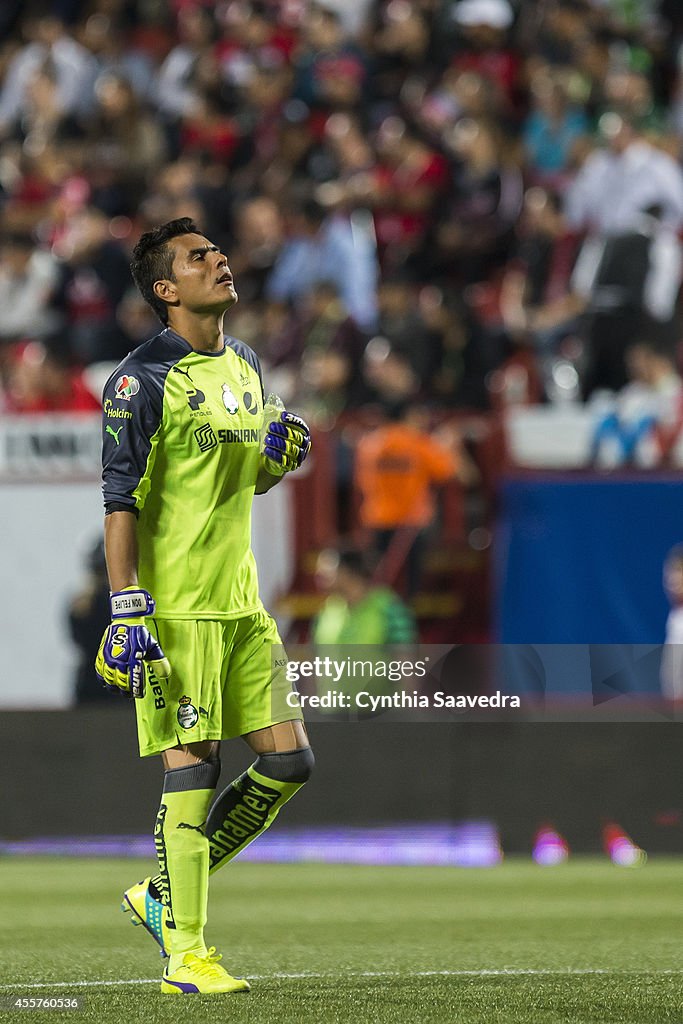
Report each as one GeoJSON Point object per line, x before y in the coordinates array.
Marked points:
{"type": "Point", "coordinates": [127, 643]}
{"type": "Point", "coordinates": [286, 443]}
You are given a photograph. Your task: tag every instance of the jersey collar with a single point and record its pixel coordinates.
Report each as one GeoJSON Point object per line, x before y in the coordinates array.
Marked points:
{"type": "Point", "coordinates": [188, 348]}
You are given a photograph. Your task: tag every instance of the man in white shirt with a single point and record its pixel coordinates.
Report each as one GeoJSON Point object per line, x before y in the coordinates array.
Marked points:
{"type": "Point", "coordinates": [28, 277]}
{"type": "Point", "coordinates": [616, 184]}
{"type": "Point", "coordinates": [74, 69]}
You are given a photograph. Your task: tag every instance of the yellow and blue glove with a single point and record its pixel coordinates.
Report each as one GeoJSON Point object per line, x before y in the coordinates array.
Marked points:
{"type": "Point", "coordinates": [286, 443]}
{"type": "Point", "coordinates": [127, 644]}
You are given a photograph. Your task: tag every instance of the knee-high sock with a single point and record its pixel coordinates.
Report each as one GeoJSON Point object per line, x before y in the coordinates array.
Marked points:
{"type": "Point", "coordinates": [250, 804]}
{"type": "Point", "coordinates": [183, 854]}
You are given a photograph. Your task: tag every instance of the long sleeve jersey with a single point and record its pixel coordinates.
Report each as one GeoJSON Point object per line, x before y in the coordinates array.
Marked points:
{"type": "Point", "coordinates": [181, 440]}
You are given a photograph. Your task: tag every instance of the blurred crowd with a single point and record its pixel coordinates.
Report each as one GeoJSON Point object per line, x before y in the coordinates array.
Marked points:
{"type": "Point", "coordinates": [415, 195]}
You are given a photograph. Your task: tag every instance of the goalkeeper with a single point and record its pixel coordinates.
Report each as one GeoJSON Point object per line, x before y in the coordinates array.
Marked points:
{"type": "Point", "coordinates": [186, 445]}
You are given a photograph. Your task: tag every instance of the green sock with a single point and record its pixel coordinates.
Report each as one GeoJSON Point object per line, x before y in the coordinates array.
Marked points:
{"type": "Point", "coordinates": [251, 803]}
{"type": "Point", "coordinates": [183, 853]}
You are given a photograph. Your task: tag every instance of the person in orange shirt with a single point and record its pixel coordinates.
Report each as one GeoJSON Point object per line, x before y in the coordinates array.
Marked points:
{"type": "Point", "coordinates": [397, 469]}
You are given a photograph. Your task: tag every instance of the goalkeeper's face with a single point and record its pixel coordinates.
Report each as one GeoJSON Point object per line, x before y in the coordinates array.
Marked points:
{"type": "Point", "coordinates": [203, 281]}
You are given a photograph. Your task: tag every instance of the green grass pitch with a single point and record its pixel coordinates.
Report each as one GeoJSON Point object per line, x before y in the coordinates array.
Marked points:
{"type": "Point", "coordinates": [581, 943]}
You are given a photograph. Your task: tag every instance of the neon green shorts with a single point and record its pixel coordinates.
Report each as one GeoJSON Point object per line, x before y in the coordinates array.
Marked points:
{"type": "Point", "coordinates": [225, 681]}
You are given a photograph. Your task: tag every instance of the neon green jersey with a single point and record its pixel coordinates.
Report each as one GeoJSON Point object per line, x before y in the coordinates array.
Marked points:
{"type": "Point", "coordinates": [181, 440]}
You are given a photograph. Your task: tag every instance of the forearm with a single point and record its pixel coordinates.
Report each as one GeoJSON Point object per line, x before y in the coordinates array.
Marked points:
{"type": "Point", "coordinates": [557, 312]}
{"type": "Point", "coordinates": [121, 549]}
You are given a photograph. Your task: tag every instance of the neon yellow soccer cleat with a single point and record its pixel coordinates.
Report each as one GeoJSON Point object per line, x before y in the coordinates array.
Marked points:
{"type": "Point", "coordinates": [202, 974]}
{"type": "Point", "coordinates": [147, 911]}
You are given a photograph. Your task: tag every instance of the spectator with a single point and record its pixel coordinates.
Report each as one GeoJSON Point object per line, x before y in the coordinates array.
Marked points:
{"type": "Point", "coordinates": [132, 138]}
{"type": "Point", "coordinates": [175, 86]}
{"type": "Point", "coordinates": [540, 270]}
{"type": "Point", "coordinates": [616, 184]}
{"type": "Point", "coordinates": [353, 162]}
{"type": "Point", "coordinates": [401, 48]}
{"type": "Point", "coordinates": [402, 323]}
{"type": "Point", "coordinates": [551, 130]}
{"type": "Point", "coordinates": [645, 420]}
{"type": "Point", "coordinates": [118, 55]}
{"type": "Point", "coordinates": [389, 374]}
{"type": "Point", "coordinates": [330, 71]}
{"type": "Point", "coordinates": [357, 609]}
{"type": "Point", "coordinates": [28, 278]}
{"type": "Point", "coordinates": [325, 247]}
{"type": "Point", "coordinates": [620, 284]}
{"type": "Point", "coordinates": [656, 384]}
{"type": "Point", "coordinates": [323, 348]}
{"type": "Point", "coordinates": [398, 466]}
{"type": "Point", "coordinates": [89, 616]}
{"type": "Point", "coordinates": [135, 322]}
{"type": "Point", "coordinates": [43, 117]}
{"type": "Point", "coordinates": [42, 378]}
{"type": "Point", "coordinates": [535, 306]}
{"type": "Point", "coordinates": [404, 116]}
{"type": "Point", "coordinates": [475, 233]}
{"type": "Point", "coordinates": [47, 187]}
{"type": "Point", "coordinates": [287, 150]}
{"type": "Point", "coordinates": [95, 277]}
{"type": "Point", "coordinates": [250, 39]}
{"type": "Point", "coordinates": [404, 190]}
{"type": "Point", "coordinates": [554, 37]}
{"type": "Point", "coordinates": [483, 47]}
{"type": "Point", "coordinates": [206, 129]}
{"type": "Point", "coordinates": [470, 349]}
{"type": "Point", "coordinates": [458, 94]}
{"type": "Point", "coordinates": [259, 233]}
{"type": "Point", "coordinates": [629, 92]}
{"type": "Point", "coordinates": [49, 45]}
{"type": "Point", "coordinates": [174, 192]}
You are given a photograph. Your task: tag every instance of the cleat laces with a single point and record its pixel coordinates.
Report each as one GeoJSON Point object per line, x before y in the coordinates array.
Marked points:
{"type": "Point", "coordinates": [208, 965]}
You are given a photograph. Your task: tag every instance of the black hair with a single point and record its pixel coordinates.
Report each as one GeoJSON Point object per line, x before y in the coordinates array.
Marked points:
{"type": "Point", "coordinates": [153, 261]}
{"type": "Point", "coordinates": [657, 343]}
{"type": "Point", "coordinates": [356, 561]}
{"type": "Point", "coordinates": [398, 411]}
{"type": "Point", "coordinates": [18, 240]}
{"type": "Point", "coordinates": [57, 346]}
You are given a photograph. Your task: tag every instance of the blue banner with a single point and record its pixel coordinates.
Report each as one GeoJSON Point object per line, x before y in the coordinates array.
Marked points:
{"type": "Point", "coordinates": [579, 561]}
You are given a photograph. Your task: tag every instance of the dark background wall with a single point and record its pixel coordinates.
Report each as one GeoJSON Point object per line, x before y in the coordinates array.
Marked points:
{"type": "Point", "coordinates": [579, 559]}
{"type": "Point", "coordinates": [78, 773]}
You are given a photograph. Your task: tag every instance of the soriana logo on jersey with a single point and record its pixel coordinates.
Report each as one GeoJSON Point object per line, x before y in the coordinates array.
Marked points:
{"type": "Point", "coordinates": [126, 387]}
